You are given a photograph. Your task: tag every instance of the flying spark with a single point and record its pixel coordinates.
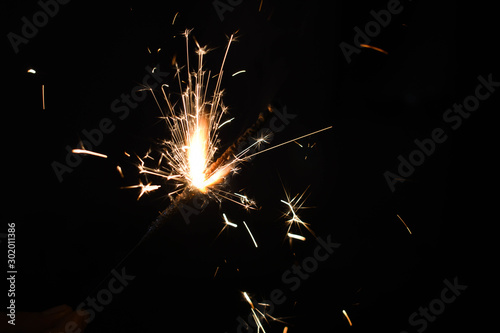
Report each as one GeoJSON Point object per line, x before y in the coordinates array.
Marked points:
{"type": "Point", "coordinates": [43, 97]}
{"type": "Point", "coordinates": [374, 48]}
{"type": "Point", "coordinates": [239, 72]}
{"type": "Point", "coordinates": [253, 239]}
{"type": "Point", "coordinates": [404, 223]}
{"type": "Point", "coordinates": [88, 152]}
{"type": "Point", "coordinates": [175, 16]}
{"type": "Point", "coordinates": [348, 319]}
{"type": "Point", "coordinates": [234, 225]}
{"type": "Point", "coordinates": [299, 237]}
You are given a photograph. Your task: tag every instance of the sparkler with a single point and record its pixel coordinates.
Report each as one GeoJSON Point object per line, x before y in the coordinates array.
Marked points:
{"type": "Point", "coordinates": [187, 160]}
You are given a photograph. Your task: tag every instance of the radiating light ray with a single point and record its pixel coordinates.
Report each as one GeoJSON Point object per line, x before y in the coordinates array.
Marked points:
{"type": "Point", "coordinates": [347, 317]}
{"type": "Point", "coordinates": [216, 270]}
{"type": "Point", "coordinates": [190, 157]}
{"type": "Point", "coordinates": [294, 205]}
{"type": "Point", "coordinates": [88, 152]}
{"type": "Point", "coordinates": [404, 223]}
{"type": "Point", "coordinates": [287, 142]}
{"type": "Point", "coordinates": [193, 127]}
{"type": "Point", "coordinates": [253, 239]}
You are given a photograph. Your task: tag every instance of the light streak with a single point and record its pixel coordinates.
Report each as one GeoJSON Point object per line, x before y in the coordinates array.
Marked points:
{"type": "Point", "coordinates": [248, 299]}
{"type": "Point", "coordinates": [43, 97]}
{"type": "Point", "coordinates": [188, 157]}
{"type": "Point", "coordinates": [224, 123]}
{"type": "Point", "coordinates": [253, 239]}
{"type": "Point", "coordinates": [120, 171]}
{"type": "Point", "coordinates": [374, 48]}
{"type": "Point", "coordinates": [175, 16]}
{"type": "Point", "coordinates": [348, 319]}
{"type": "Point", "coordinates": [239, 72]}
{"type": "Point", "coordinates": [216, 270]}
{"type": "Point", "coordinates": [88, 152]}
{"type": "Point", "coordinates": [299, 237]}
{"type": "Point", "coordinates": [404, 223]}
{"type": "Point", "coordinates": [31, 71]}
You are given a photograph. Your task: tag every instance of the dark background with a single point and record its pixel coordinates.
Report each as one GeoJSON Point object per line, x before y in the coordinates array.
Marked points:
{"type": "Point", "coordinates": [70, 234]}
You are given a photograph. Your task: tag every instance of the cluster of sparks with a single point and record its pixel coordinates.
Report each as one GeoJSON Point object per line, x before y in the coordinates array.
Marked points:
{"type": "Point", "coordinates": [194, 122]}
{"type": "Point", "coordinates": [188, 157]}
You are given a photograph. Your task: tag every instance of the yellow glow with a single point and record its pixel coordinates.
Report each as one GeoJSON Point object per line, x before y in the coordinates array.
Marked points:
{"type": "Point", "coordinates": [197, 155]}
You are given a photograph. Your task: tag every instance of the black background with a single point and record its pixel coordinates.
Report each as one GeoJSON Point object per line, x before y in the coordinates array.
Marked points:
{"type": "Point", "coordinates": [70, 234]}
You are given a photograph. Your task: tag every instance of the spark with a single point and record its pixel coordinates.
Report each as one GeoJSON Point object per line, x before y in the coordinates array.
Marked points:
{"type": "Point", "coordinates": [239, 72]}
{"type": "Point", "coordinates": [246, 202]}
{"type": "Point", "coordinates": [190, 158]}
{"type": "Point", "coordinates": [43, 97]}
{"type": "Point", "coordinates": [299, 237]}
{"type": "Point", "coordinates": [248, 299]}
{"type": "Point", "coordinates": [31, 71]}
{"type": "Point", "coordinates": [88, 152]}
{"type": "Point", "coordinates": [404, 223]}
{"type": "Point", "coordinates": [349, 320]}
{"type": "Point", "coordinates": [234, 225]}
{"type": "Point", "coordinates": [120, 171]}
{"type": "Point", "coordinates": [255, 243]}
{"type": "Point", "coordinates": [254, 313]}
{"type": "Point", "coordinates": [144, 188]}
{"type": "Point", "coordinates": [175, 16]}
{"type": "Point", "coordinates": [294, 205]}
{"type": "Point", "coordinates": [374, 48]}
{"type": "Point", "coordinates": [224, 123]}
{"type": "Point", "coordinates": [216, 270]}
{"type": "Point", "coordinates": [193, 123]}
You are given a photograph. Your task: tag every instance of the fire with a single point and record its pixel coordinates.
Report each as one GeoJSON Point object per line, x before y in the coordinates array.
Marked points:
{"type": "Point", "coordinates": [197, 155]}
